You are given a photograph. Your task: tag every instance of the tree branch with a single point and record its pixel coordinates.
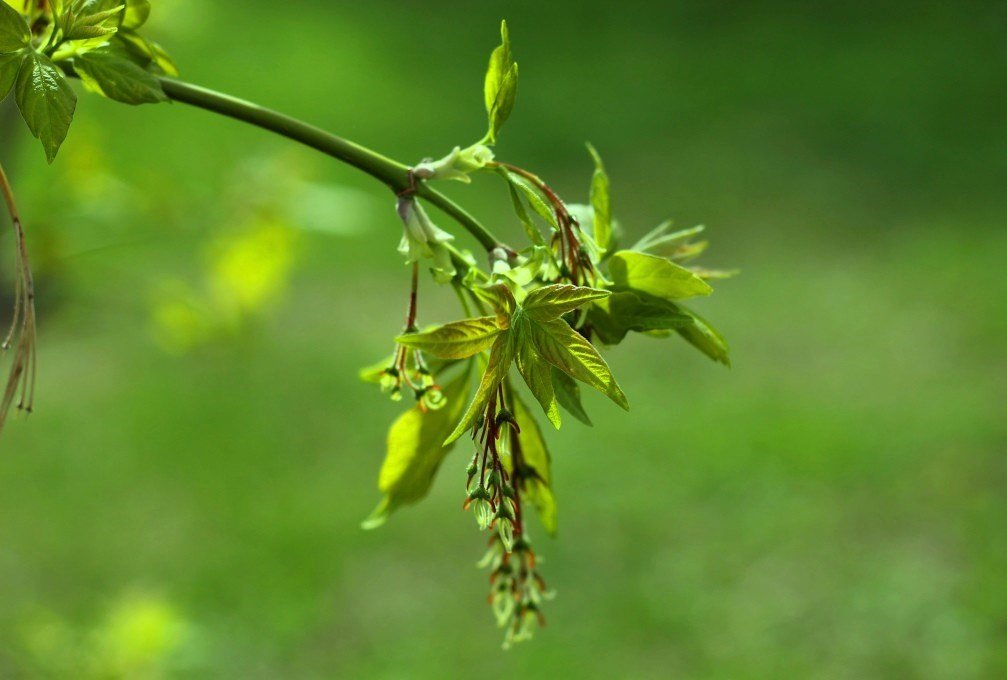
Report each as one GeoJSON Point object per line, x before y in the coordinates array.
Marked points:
{"type": "Point", "coordinates": [391, 173]}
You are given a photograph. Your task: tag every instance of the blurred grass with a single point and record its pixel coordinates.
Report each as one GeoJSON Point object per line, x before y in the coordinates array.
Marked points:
{"type": "Point", "coordinates": [831, 507]}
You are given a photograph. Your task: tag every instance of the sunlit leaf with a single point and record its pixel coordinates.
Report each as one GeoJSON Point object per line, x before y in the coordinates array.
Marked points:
{"type": "Point", "coordinates": [568, 395]}
{"type": "Point", "coordinates": [567, 350]}
{"type": "Point", "coordinates": [551, 302]}
{"type": "Point", "coordinates": [704, 337]}
{"type": "Point", "coordinates": [415, 451]}
{"type": "Point", "coordinates": [92, 19]}
{"type": "Point", "coordinates": [601, 203]}
{"type": "Point", "coordinates": [14, 30]}
{"type": "Point", "coordinates": [456, 340]}
{"type": "Point", "coordinates": [655, 276]}
{"type": "Point", "coordinates": [533, 455]}
{"type": "Point", "coordinates": [623, 312]}
{"type": "Point", "coordinates": [537, 374]}
{"type": "Point", "coordinates": [536, 200]}
{"type": "Point", "coordinates": [118, 78]}
{"type": "Point", "coordinates": [501, 357]}
{"type": "Point", "coordinates": [46, 101]}
{"type": "Point", "coordinates": [146, 53]}
{"type": "Point", "coordinates": [137, 13]}
{"type": "Point", "coordinates": [534, 235]}
{"type": "Point", "coordinates": [500, 87]}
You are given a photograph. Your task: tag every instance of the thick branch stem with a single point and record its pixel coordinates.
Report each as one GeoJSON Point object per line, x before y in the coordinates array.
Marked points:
{"type": "Point", "coordinates": [391, 173]}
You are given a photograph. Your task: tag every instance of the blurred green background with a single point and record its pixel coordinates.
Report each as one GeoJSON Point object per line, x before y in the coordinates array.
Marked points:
{"type": "Point", "coordinates": [186, 500]}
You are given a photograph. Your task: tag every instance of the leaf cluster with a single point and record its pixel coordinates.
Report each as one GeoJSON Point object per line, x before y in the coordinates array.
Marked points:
{"type": "Point", "coordinates": [95, 40]}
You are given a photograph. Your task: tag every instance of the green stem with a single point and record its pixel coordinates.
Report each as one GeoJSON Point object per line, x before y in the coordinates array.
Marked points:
{"type": "Point", "coordinates": [391, 173]}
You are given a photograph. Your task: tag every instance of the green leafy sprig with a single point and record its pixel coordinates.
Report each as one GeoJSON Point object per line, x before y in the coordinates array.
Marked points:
{"type": "Point", "coordinates": [534, 316]}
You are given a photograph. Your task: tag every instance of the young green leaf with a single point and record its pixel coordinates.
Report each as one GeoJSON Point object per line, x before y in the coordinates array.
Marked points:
{"type": "Point", "coordinates": [456, 340]}
{"type": "Point", "coordinates": [601, 203]}
{"type": "Point", "coordinates": [146, 53]}
{"type": "Point", "coordinates": [500, 87]}
{"type": "Point", "coordinates": [534, 235]}
{"type": "Point", "coordinates": [567, 350]}
{"type": "Point", "coordinates": [137, 13]}
{"type": "Point", "coordinates": [116, 77]}
{"type": "Point", "coordinates": [501, 357]}
{"type": "Point", "coordinates": [551, 302]}
{"type": "Point", "coordinates": [536, 475]}
{"type": "Point", "coordinates": [704, 337]}
{"type": "Point", "coordinates": [415, 451]}
{"type": "Point", "coordinates": [46, 101]}
{"type": "Point", "coordinates": [568, 395]}
{"type": "Point", "coordinates": [92, 19]}
{"type": "Point", "coordinates": [624, 312]}
{"type": "Point", "coordinates": [9, 66]}
{"type": "Point", "coordinates": [537, 374]}
{"type": "Point", "coordinates": [655, 276]}
{"type": "Point", "coordinates": [537, 202]}
{"type": "Point", "coordinates": [14, 30]}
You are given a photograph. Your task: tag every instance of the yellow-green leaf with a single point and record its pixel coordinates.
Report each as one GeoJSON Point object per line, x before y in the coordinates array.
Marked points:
{"type": "Point", "coordinates": [537, 374]}
{"type": "Point", "coordinates": [456, 340]}
{"type": "Point", "coordinates": [568, 395]}
{"type": "Point", "coordinates": [14, 31]}
{"type": "Point", "coordinates": [500, 87]}
{"type": "Point", "coordinates": [501, 357]}
{"type": "Point", "coordinates": [416, 450]}
{"type": "Point", "coordinates": [551, 302]}
{"type": "Point", "coordinates": [601, 203]}
{"type": "Point", "coordinates": [655, 276]}
{"type": "Point", "coordinates": [534, 456]}
{"type": "Point", "coordinates": [704, 337]}
{"type": "Point", "coordinates": [137, 13]}
{"type": "Point", "coordinates": [567, 350]}
{"type": "Point", "coordinates": [113, 76]}
{"type": "Point", "coordinates": [624, 312]}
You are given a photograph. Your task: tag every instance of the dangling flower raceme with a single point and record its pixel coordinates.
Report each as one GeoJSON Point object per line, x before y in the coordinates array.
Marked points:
{"type": "Point", "coordinates": [422, 239]}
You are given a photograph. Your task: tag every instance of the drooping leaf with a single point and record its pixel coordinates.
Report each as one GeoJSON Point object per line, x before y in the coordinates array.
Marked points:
{"type": "Point", "coordinates": [9, 66]}
{"type": "Point", "coordinates": [137, 13]}
{"type": "Point", "coordinates": [666, 243]}
{"type": "Point", "coordinates": [116, 77]}
{"type": "Point", "coordinates": [613, 318]}
{"type": "Point", "coordinates": [655, 276]}
{"type": "Point", "coordinates": [535, 198]}
{"type": "Point", "coordinates": [536, 476]}
{"type": "Point", "coordinates": [551, 302]}
{"type": "Point", "coordinates": [567, 350]}
{"type": "Point", "coordinates": [416, 450]}
{"type": "Point", "coordinates": [500, 298]}
{"type": "Point", "coordinates": [704, 337]}
{"type": "Point", "coordinates": [601, 203]}
{"type": "Point", "coordinates": [456, 340]}
{"type": "Point", "coordinates": [568, 395]}
{"type": "Point", "coordinates": [500, 87]}
{"type": "Point", "coordinates": [146, 53]}
{"type": "Point", "coordinates": [534, 235]}
{"type": "Point", "coordinates": [501, 357]}
{"type": "Point", "coordinates": [537, 374]}
{"type": "Point", "coordinates": [46, 101]}
{"type": "Point", "coordinates": [14, 30]}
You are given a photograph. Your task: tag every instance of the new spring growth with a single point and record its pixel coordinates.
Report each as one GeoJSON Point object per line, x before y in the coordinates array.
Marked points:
{"type": "Point", "coordinates": [422, 239]}
{"type": "Point", "coordinates": [541, 309]}
{"type": "Point", "coordinates": [457, 165]}
{"type": "Point", "coordinates": [517, 590]}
